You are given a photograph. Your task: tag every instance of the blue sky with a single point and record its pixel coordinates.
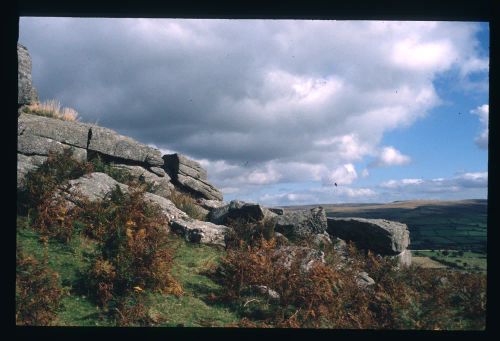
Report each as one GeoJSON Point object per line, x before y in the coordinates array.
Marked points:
{"type": "Point", "coordinates": [280, 110]}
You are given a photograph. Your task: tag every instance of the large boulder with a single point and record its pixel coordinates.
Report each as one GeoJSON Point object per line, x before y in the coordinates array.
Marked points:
{"type": "Point", "coordinates": [26, 164]}
{"type": "Point", "coordinates": [70, 133]}
{"type": "Point", "coordinates": [210, 204]}
{"type": "Point", "coordinates": [239, 210]}
{"type": "Point", "coordinates": [197, 231]}
{"type": "Point", "coordinates": [26, 93]}
{"type": "Point", "coordinates": [108, 142]}
{"type": "Point", "coordinates": [161, 185]}
{"type": "Point", "coordinates": [92, 187]}
{"type": "Point", "coordinates": [29, 144]}
{"type": "Point", "coordinates": [190, 176]}
{"type": "Point", "coordinates": [379, 235]}
{"type": "Point", "coordinates": [302, 223]}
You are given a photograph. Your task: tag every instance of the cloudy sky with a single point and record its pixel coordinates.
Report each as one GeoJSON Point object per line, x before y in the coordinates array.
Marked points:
{"type": "Point", "coordinates": [278, 111]}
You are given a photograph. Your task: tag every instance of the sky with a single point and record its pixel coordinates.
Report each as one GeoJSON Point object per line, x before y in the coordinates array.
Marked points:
{"type": "Point", "coordinates": [284, 112]}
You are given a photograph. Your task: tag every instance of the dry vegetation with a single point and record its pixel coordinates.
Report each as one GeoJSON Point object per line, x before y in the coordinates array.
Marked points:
{"type": "Point", "coordinates": [133, 253]}
{"type": "Point", "coordinates": [187, 203]}
{"type": "Point", "coordinates": [52, 108]}
{"type": "Point", "coordinates": [134, 256]}
{"type": "Point", "coordinates": [328, 296]}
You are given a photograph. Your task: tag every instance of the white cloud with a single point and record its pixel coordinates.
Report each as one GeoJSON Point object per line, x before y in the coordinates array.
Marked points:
{"type": "Point", "coordinates": [257, 102]}
{"type": "Point", "coordinates": [343, 175]}
{"type": "Point", "coordinates": [482, 112]}
{"type": "Point", "coordinates": [470, 180]}
{"type": "Point", "coordinates": [390, 156]}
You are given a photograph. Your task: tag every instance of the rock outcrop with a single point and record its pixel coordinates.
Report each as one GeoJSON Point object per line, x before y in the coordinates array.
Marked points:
{"type": "Point", "coordinates": [95, 186]}
{"type": "Point", "coordinates": [237, 209]}
{"type": "Point", "coordinates": [161, 185]}
{"type": "Point", "coordinates": [387, 238]}
{"type": "Point", "coordinates": [287, 255]}
{"type": "Point", "coordinates": [38, 135]}
{"type": "Point", "coordinates": [382, 236]}
{"type": "Point", "coordinates": [190, 177]}
{"type": "Point", "coordinates": [197, 231]}
{"type": "Point", "coordinates": [26, 93]}
{"type": "Point", "coordinates": [302, 223]}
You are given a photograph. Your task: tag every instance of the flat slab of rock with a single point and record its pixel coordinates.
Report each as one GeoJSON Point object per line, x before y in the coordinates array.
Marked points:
{"type": "Point", "coordinates": [379, 235]}
{"type": "Point", "coordinates": [29, 144]}
{"type": "Point", "coordinates": [301, 223]}
{"type": "Point", "coordinates": [237, 209]}
{"type": "Point", "coordinates": [197, 231]}
{"type": "Point", "coordinates": [86, 136]}
{"type": "Point", "coordinates": [93, 186]}
{"type": "Point", "coordinates": [108, 142]}
{"type": "Point", "coordinates": [191, 176]}
{"type": "Point", "coordinates": [210, 204]}
{"type": "Point", "coordinates": [70, 133]}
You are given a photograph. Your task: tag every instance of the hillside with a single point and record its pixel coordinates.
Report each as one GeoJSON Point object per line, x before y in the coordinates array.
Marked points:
{"type": "Point", "coordinates": [110, 232]}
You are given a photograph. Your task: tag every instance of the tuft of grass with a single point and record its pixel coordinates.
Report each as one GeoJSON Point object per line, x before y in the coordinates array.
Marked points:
{"type": "Point", "coordinates": [187, 203]}
{"type": "Point", "coordinates": [52, 108]}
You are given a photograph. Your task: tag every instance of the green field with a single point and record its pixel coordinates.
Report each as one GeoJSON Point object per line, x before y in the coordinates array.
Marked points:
{"type": "Point", "coordinates": [434, 227]}
{"type": "Point", "coordinates": [469, 261]}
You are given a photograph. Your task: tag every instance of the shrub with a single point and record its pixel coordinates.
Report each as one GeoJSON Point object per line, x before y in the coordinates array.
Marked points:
{"type": "Point", "coordinates": [246, 232]}
{"type": "Point", "coordinates": [133, 310]}
{"type": "Point", "coordinates": [41, 183]}
{"type": "Point", "coordinates": [187, 203]}
{"type": "Point", "coordinates": [120, 175]}
{"type": "Point", "coordinates": [134, 250]}
{"type": "Point", "coordinates": [38, 292]}
{"type": "Point", "coordinates": [52, 108]}
{"type": "Point", "coordinates": [51, 214]}
{"type": "Point", "coordinates": [329, 296]}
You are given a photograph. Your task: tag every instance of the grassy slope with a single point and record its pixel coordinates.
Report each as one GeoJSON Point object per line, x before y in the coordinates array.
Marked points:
{"type": "Point", "coordinates": [190, 261]}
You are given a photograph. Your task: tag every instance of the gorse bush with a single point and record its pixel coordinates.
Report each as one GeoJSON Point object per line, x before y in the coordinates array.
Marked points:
{"type": "Point", "coordinates": [52, 108]}
{"type": "Point", "coordinates": [135, 252]}
{"type": "Point", "coordinates": [38, 291]}
{"type": "Point", "coordinates": [187, 203]}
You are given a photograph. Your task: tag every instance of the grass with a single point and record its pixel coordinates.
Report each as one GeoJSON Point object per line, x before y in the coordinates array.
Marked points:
{"type": "Point", "coordinates": [52, 108]}
{"type": "Point", "coordinates": [192, 309]}
{"type": "Point", "coordinates": [120, 247]}
{"type": "Point", "coordinates": [466, 260]}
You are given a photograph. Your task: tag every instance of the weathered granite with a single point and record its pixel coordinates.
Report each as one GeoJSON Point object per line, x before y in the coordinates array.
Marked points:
{"type": "Point", "coordinates": [302, 223]}
{"type": "Point", "coordinates": [26, 92]}
{"type": "Point", "coordinates": [381, 236]}
{"type": "Point", "coordinates": [190, 176]}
